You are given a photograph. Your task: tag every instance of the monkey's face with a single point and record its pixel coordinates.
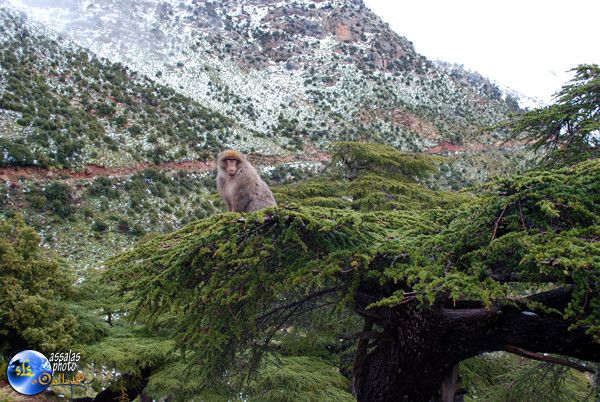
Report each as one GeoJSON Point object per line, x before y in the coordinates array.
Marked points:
{"type": "Point", "coordinates": [231, 166]}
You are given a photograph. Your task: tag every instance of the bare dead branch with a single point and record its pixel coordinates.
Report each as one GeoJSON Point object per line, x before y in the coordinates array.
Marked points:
{"type": "Point", "coordinates": [498, 222]}
{"type": "Point", "coordinates": [549, 359]}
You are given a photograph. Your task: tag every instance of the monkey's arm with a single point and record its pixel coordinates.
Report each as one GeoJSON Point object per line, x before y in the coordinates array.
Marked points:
{"type": "Point", "coordinates": [242, 199]}
{"type": "Point", "coordinates": [244, 203]}
{"type": "Point", "coordinates": [262, 198]}
{"type": "Point", "coordinates": [225, 195]}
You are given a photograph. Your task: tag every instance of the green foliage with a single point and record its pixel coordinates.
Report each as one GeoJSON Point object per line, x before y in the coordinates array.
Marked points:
{"type": "Point", "coordinates": [99, 226]}
{"type": "Point", "coordinates": [379, 192]}
{"type": "Point", "coordinates": [368, 192]}
{"type": "Point", "coordinates": [568, 129]}
{"type": "Point", "coordinates": [131, 350]}
{"type": "Point", "coordinates": [103, 187]}
{"type": "Point", "coordinates": [541, 228]}
{"type": "Point", "coordinates": [302, 253]}
{"type": "Point", "coordinates": [500, 377]}
{"type": "Point", "coordinates": [358, 158]}
{"type": "Point", "coordinates": [12, 153]}
{"type": "Point", "coordinates": [281, 378]}
{"type": "Point", "coordinates": [33, 292]}
{"type": "Point", "coordinates": [59, 199]}
{"type": "Point", "coordinates": [54, 197]}
{"type": "Point", "coordinates": [379, 178]}
{"type": "Point", "coordinates": [511, 231]}
{"type": "Point", "coordinates": [175, 379]}
{"type": "Point", "coordinates": [299, 378]}
{"type": "Point", "coordinates": [224, 281]}
{"type": "Point", "coordinates": [285, 174]}
{"type": "Point", "coordinates": [76, 108]}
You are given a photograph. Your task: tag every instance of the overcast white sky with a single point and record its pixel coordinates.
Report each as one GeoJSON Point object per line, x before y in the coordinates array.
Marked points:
{"type": "Point", "coordinates": [527, 45]}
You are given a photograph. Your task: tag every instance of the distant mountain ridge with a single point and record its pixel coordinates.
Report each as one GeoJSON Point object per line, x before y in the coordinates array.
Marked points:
{"type": "Point", "coordinates": [288, 74]}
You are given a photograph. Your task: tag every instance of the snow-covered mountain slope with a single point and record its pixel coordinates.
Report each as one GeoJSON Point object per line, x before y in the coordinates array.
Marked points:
{"type": "Point", "coordinates": [514, 99]}
{"type": "Point", "coordinates": [289, 73]}
{"type": "Point", "coordinates": [61, 106]}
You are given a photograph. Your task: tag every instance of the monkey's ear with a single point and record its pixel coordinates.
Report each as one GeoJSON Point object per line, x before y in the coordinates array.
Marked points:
{"type": "Point", "coordinates": [231, 154]}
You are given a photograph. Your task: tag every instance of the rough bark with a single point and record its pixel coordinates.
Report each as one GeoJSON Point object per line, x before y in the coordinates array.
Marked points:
{"type": "Point", "coordinates": [418, 347]}
{"type": "Point", "coordinates": [450, 385]}
{"type": "Point", "coordinates": [596, 384]}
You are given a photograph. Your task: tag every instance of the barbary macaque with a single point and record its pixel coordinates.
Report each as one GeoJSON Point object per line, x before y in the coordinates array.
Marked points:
{"type": "Point", "coordinates": [240, 186]}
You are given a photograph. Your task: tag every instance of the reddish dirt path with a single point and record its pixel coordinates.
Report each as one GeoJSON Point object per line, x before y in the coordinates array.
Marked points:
{"type": "Point", "coordinates": [445, 147]}
{"type": "Point", "coordinates": [89, 172]}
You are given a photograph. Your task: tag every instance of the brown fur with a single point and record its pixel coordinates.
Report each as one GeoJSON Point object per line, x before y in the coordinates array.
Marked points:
{"type": "Point", "coordinates": [245, 191]}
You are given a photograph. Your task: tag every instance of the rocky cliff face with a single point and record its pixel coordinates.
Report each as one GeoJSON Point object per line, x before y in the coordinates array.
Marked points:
{"type": "Point", "coordinates": [290, 74]}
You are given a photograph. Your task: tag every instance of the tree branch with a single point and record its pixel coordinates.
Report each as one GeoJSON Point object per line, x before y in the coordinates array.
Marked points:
{"type": "Point", "coordinates": [557, 298]}
{"type": "Point", "coordinates": [469, 314]}
{"type": "Point", "coordinates": [549, 359]}
{"type": "Point", "coordinates": [296, 303]}
{"type": "Point", "coordinates": [498, 222]}
{"type": "Point", "coordinates": [362, 335]}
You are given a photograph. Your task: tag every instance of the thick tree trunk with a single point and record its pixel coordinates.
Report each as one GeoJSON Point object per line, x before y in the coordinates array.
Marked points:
{"type": "Point", "coordinates": [406, 362]}
{"type": "Point", "coordinates": [450, 385]}
{"type": "Point", "coordinates": [596, 383]}
{"type": "Point", "coordinates": [417, 348]}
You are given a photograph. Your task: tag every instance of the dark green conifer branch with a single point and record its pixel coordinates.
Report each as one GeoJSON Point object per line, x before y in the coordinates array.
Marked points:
{"type": "Point", "coordinates": [567, 129]}
{"type": "Point", "coordinates": [235, 286]}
